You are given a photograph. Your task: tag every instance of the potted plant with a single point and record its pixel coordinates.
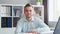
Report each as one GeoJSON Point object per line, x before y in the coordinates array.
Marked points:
{"type": "Point", "coordinates": [38, 2]}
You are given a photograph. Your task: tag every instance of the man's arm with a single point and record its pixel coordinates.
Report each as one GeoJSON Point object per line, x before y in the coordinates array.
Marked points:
{"type": "Point", "coordinates": [42, 27]}
{"type": "Point", "coordinates": [18, 27]}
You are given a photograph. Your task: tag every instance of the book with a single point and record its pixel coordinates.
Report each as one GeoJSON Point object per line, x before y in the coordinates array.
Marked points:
{"type": "Point", "coordinates": [6, 11]}
{"type": "Point", "coordinates": [6, 22]}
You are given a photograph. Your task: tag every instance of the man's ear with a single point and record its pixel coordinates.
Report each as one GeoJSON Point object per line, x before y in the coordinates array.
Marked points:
{"type": "Point", "coordinates": [33, 12]}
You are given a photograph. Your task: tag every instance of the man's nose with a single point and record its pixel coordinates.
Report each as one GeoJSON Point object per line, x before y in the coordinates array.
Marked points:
{"type": "Point", "coordinates": [29, 12]}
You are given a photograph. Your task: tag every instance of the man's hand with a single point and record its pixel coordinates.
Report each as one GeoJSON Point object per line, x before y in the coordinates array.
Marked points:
{"type": "Point", "coordinates": [32, 31]}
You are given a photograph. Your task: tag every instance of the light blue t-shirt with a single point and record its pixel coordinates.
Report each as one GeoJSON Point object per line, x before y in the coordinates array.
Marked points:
{"type": "Point", "coordinates": [36, 23]}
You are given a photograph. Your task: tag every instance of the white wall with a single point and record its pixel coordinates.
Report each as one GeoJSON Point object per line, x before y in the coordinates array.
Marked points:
{"type": "Point", "coordinates": [53, 10]}
{"type": "Point", "coordinates": [17, 1]}
{"type": "Point", "coordinates": [14, 1]}
{"type": "Point", "coordinates": [50, 10]}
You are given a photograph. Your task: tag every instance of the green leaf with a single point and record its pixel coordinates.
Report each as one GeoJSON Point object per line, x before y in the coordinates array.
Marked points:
{"type": "Point", "coordinates": [38, 0]}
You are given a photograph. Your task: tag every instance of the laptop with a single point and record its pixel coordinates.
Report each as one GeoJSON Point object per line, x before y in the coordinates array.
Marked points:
{"type": "Point", "coordinates": [57, 28]}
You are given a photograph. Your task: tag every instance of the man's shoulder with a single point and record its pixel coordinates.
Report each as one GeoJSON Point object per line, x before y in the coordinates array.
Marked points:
{"type": "Point", "coordinates": [37, 18]}
{"type": "Point", "coordinates": [21, 20]}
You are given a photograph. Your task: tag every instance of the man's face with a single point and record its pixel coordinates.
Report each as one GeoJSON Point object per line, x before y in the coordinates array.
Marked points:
{"type": "Point", "coordinates": [28, 11]}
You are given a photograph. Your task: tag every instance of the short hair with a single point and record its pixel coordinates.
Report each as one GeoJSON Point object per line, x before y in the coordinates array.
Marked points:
{"type": "Point", "coordinates": [28, 5]}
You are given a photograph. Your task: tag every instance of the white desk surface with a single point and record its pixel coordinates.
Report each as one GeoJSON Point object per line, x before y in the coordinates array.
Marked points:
{"type": "Point", "coordinates": [51, 32]}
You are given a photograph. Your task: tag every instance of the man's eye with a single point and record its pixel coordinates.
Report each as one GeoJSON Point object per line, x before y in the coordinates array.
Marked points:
{"type": "Point", "coordinates": [30, 10]}
{"type": "Point", "coordinates": [26, 10]}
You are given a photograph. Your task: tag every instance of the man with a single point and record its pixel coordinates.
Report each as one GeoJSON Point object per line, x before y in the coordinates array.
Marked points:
{"type": "Point", "coordinates": [30, 24]}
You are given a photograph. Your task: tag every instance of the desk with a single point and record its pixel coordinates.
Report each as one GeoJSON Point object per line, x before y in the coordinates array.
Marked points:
{"type": "Point", "coordinates": [51, 32]}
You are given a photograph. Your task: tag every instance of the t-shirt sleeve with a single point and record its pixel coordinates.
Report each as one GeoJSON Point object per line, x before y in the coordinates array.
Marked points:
{"type": "Point", "coordinates": [42, 27]}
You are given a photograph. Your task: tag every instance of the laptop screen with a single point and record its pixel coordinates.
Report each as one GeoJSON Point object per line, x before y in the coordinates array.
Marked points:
{"type": "Point", "coordinates": [57, 28]}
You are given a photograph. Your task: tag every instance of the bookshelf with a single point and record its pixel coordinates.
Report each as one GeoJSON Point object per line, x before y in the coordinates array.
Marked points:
{"type": "Point", "coordinates": [11, 13]}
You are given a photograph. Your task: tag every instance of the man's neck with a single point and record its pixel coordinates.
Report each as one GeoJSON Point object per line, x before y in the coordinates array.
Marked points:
{"type": "Point", "coordinates": [28, 18]}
